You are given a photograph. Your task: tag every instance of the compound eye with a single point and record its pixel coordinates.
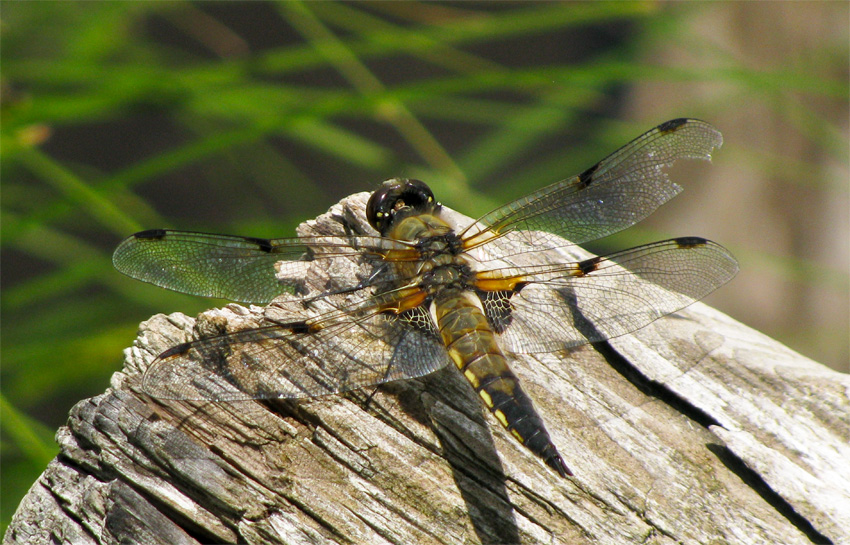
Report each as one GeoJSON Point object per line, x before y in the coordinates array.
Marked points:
{"type": "Point", "coordinates": [379, 207]}
{"type": "Point", "coordinates": [417, 195]}
{"type": "Point", "coordinates": [395, 196]}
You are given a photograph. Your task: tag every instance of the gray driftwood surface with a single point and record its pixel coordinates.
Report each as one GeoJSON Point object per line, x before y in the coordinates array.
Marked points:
{"type": "Point", "coordinates": [696, 429]}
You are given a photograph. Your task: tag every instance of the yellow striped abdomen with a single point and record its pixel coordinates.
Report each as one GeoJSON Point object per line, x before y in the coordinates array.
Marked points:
{"type": "Point", "coordinates": [474, 349]}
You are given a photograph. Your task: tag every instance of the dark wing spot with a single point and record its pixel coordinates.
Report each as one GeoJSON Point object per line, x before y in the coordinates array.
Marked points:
{"type": "Point", "coordinates": [690, 242]}
{"type": "Point", "coordinates": [263, 244]}
{"type": "Point", "coordinates": [177, 350]}
{"type": "Point", "coordinates": [588, 265]}
{"type": "Point", "coordinates": [150, 234]}
{"type": "Point", "coordinates": [672, 125]}
{"type": "Point", "coordinates": [302, 327]}
{"type": "Point", "coordinates": [419, 319]}
{"type": "Point", "coordinates": [587, 176]}
{"type": "Point", "coordinates": [497, 307]}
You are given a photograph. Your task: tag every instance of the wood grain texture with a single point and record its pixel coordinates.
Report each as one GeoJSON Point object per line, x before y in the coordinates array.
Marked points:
{"type": "Point", "coordinates": [695, 429]}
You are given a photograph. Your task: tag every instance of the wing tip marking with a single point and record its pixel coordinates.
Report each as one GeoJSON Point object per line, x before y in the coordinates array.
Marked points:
{"type": "Point", "coordinates": [673, 124]}
{"type": "Point", "coordinates": [587, 176]}
{"type": "Point", "coordinates": [150, 234]}
{"type": "Point", "coordinates": [690, 242]}
{"type": "Point", "coordinates": [588, 266]}
{"type": "Point", "coordinates": [176, 350]}
{"type": "Point", "coordinates": [263, 244]}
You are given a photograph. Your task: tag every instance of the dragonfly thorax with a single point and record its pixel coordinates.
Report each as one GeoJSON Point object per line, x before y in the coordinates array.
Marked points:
{"type": "Point", "coordinates": [445, 243]}
{"type": "Point", "coordinates": [450, 275]}
{"type": "Point", "coordinates": [441, 262]}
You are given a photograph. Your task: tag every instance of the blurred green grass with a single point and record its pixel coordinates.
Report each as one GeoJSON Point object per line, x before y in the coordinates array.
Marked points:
{"type": "Point", "coordinates": [207, 126]}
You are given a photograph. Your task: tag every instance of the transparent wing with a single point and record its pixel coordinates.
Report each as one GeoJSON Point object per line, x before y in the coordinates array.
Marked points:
{"type": "Point", "coordinates": [612, 195]}
{"type": "Point", "coordinates": [230, 267]}
{"type": "Point", "coordinates": [567, 305]}
{"type": "Point", "coordinates": [335, 352]}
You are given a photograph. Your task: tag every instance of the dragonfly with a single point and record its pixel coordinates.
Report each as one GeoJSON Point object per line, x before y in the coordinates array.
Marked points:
{"type": "Point", "coordinates": [429, 292]}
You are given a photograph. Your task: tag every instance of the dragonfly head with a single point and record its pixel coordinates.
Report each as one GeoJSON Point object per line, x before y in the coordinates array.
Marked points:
{"type": "Point", "coordinates": [398, 198]}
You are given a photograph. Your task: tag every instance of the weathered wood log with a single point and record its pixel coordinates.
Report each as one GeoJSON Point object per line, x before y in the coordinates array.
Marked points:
{"type": "Point", "coordinates": [696, 429]}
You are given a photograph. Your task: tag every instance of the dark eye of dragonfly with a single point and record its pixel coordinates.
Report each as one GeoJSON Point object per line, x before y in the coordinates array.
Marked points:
{"type": "Point", "coordinates": [396, 198]}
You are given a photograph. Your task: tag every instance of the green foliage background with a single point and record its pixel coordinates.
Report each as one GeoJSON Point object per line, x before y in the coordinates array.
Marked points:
{"type": "Point", "coordinates": [121, 116]}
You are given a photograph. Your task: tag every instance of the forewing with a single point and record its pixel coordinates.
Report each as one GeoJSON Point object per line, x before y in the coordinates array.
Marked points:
{"type": "Point", "coordinates": [226, 266]}
{"type": "Point", "coordinates": [604, 297]}
{"type": "Point", "coordinates": [332, 353]}
{"type": "Point", "coordinates": [614, 194]}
